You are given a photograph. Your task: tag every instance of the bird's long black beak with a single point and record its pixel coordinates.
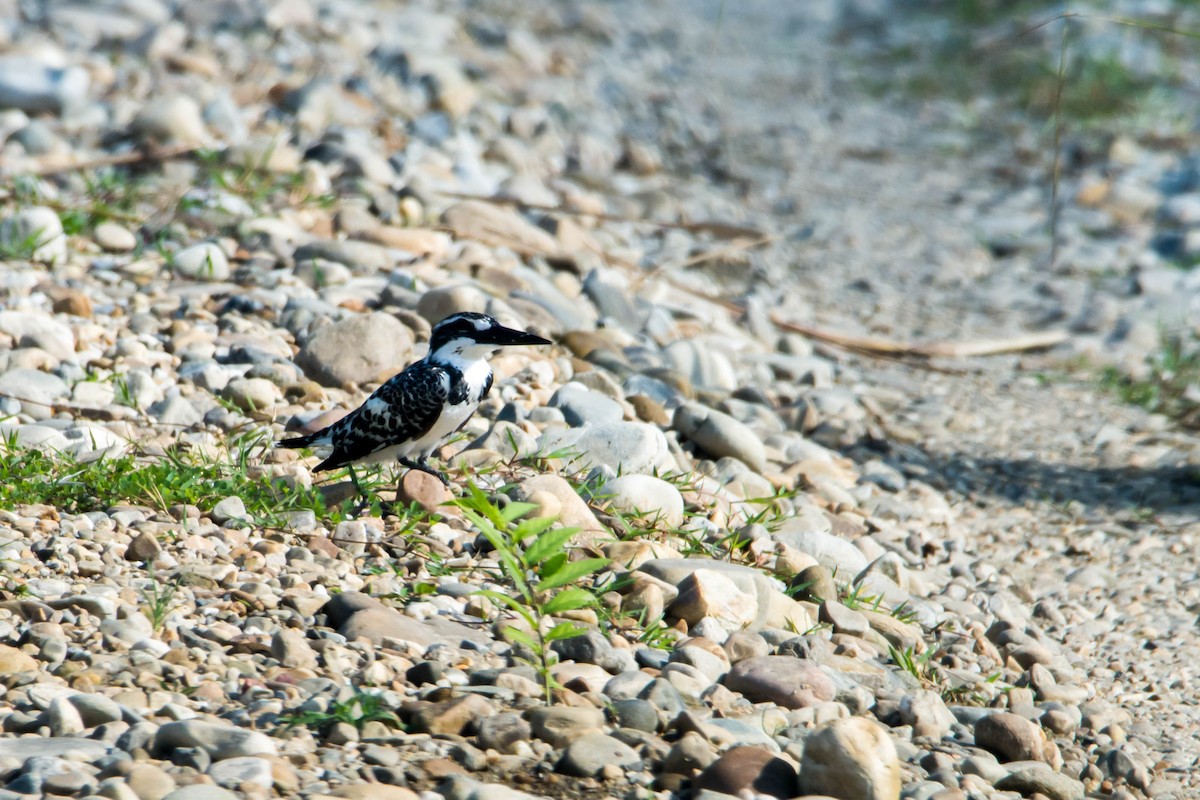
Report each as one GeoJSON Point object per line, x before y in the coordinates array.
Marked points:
{"type": "Point", "coordinates": [511, 336]}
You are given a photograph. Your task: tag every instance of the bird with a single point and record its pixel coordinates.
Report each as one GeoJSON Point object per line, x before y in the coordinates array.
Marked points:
{"type": "Point", "coordinates": [414, 411]}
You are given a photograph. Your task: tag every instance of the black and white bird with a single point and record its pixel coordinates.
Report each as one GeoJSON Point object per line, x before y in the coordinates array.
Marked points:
{"type": "Point", "coordinates": [410, 415]}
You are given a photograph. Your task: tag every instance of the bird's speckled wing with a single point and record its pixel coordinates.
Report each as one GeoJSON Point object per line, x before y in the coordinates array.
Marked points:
{"type": "Point", "coordinates": [402, 410]}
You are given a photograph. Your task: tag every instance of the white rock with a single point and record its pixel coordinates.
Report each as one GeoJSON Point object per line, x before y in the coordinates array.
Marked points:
{"type": "Point", "coordinates": [35, 233]}
{"type": "Point", "coordinates": [205, 261]}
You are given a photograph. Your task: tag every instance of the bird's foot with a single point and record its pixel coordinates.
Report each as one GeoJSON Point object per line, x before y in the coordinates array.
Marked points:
{"type": "Point", "coordinates": [423, 466]}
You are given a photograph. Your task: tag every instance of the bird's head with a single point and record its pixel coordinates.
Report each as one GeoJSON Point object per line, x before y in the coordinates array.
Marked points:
{"type": "Point", "coordinates": [468, 335]}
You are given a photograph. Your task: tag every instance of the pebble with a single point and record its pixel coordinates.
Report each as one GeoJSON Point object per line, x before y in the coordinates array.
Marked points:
{"type": "Point", "coordinates": [219, 741]}
{"type": "Point", "coordinates": [360, 349]}
{"type": "Point", "coordinates": [1011, 737]}
{"type": "Point", "coordinates": [588, 756]}
{"type": "Point", "coordinates": [786, 681]}
{"type": "Point", "coordinates": [299, 276]}
{"type": "Point", "coordinates": [850, 758]}
{"type": "Point", "coordinates": [749, 769]}
{"type": "Point", "coordinates": [202, 262]}
{"type": "Point", "coordinates": [115, 238]}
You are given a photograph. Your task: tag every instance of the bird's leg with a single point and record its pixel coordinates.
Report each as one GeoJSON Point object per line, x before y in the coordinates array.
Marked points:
{"type": "Point", "coordinates": [363, 501]}
{"type": "Point", "coordinates": [423, 465]}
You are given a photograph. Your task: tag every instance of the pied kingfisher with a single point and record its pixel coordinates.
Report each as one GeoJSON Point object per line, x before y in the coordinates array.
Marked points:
{"type": "Point", "coordinates": [413, 412]}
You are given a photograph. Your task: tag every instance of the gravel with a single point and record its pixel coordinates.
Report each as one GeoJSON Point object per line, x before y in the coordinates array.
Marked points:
{"type": "Point", "coordinates": [829, 574]}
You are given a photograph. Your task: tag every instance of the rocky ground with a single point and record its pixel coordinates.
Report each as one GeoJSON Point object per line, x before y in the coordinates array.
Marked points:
{"type": "Point", "coordinates": [830, 570]}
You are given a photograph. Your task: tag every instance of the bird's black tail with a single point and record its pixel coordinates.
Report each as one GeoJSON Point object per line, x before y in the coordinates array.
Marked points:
{"type": "Point", "coordinates": [297, 442]}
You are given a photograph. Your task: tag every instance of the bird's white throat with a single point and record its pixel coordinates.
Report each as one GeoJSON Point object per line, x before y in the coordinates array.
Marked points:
{"type": "Point", "coordinates": [469, 358]}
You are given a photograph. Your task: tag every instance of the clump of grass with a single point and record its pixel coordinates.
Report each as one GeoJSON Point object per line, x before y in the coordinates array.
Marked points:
{"type": "Point", "coordinates": [540, 574]}
{"type": "Point", "coordinates": [35, 477]}
{"type": "Point", "coordinates": [158, 600]}
{"type": "Point", "coordinates": [358, 710]}
{"type": "Point", "coordinates": [1171, 386]}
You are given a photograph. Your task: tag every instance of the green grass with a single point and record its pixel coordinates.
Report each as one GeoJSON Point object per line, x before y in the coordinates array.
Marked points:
{"type": "Point", "coordinates": [33, 477]}
{"type": "Point", "coordinates": [158, 600]}
{"type": "Point", "coordinates": [535, 563]}
{"type": "Point", "coordinates": [1004, 50]}
{"type": "Point", "coordinates": [358, 710]}
{"type": "Point", "coordinates": [1165, 388]}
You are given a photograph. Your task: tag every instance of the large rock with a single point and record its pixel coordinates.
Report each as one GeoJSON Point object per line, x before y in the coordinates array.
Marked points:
{"type": "Point", "coordinates": [851, 759]}
{"type": "Point", "coordinates": [1011, 737]}
{"type": "Point", "coordinates": [632, 448]}
{"type": "Point", "coordinates": [361, 349]}
{"type": "Point", "coordinates": [783, 680]}
{"type": "Point", "coordinates": [774, 608]}
{"type": "Point", "coordinates": [707, 593]}
{"type": "Point", "coordinates": [219, 741]}
{"type": "Point", "coordinates": [720, 435]}
{"type": "Point", "coordinates": [588, 755]}
{"type": "Point", "coordinates": [39, 330]}
{"type": "Point", "coordinates": [35, 233]}
{"type": "Point", "coordinates": [646, 496]}
{"type": "Point", "coordinates": [357, 615]}
{"type": "Point", "coordinates": [498, 226]}
{"type": "Point", "coordinates": [748, 769]}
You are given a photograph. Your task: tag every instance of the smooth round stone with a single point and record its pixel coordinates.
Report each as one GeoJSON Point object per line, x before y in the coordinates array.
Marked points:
{"type": "Point", "coordinates": [582, 406]}
{"type": "Point", "coordinates": [205, 261]}
{"type": "Point", "coordinates": [560, 726]}
{"type": "Point", "coordinates": [1011, 737]}
{"type": "Point", "coordinates": [36, 233]}
{"type": "Point", "coordinates": [850, 758]}
{"type": "Point", "coordinates": [786, 681]}
{"type": "Point", "coordinates": [637, 714]}
{"type": "Point", "coordinates": [219, 741]}
{"type": "Point", "coordinates": [588, 755]}
{"type": "Point", "coordinates": [1035, 777]}
{"type": "Point", "coordinates": [646, 496]}
{"type": "Point", "coordinates": [720, 435]}
{"type": "Point", "coordinates": [252, 394]}
{"type": "Point", "coordinates": [359, 349]}
{"type": "Point", "coordinates": [176, 118]}
{"type": "Point", "coordinates": [114, 238]}
{"type": "Point", "coordinates": [749, 769]}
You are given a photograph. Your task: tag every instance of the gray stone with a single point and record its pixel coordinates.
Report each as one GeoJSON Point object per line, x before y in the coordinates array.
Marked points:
{"type": "Point", "coordinates": [503, 732]}
{"type": "Point", "coordinates": [1011, 737]}
{"type": "Point", "coordinates": [203, 262]}
{"type": "Point", "coordinates": [201, 791]}
{"type": "Point", "coordinates": [588, 755]}
{"type": "Point", "coordinates": [95, 709]}
{"type": "Point", "coordinates": [927, 713]}
{"type": "Point", "coordinates": [581, 406]}
{"type": "Point", "coordinates": [35, 233]}
{"type": "Point", "coordinates": [28, 84]}
{"type": "Point", "coordinates": [561, 725]}
{"type": "Point", "coordinates": [635, 713]}
{"type": "Point", "coordinates": [39, 330]}
{"type": "Point", "coordinates": [234, 772]}
{"type": "Point", "coordinates": [646, 496]}
{"type": "Point", "coordinates": [783, 680]}
{"type": "Point", "coordinates": [1033, 777]}
{"type": "Point", "coordinates": [252, 394]}
{"type": "Point", "coordinates": [229, 509]}
{"type": "Point", "coordinates": [291, 648]}
{"type": "Point", "coordinates": [361, 349]}
{"type": "Point", "coordinates": [720, 435]}
{"type": "Point", "coordinates": [633, 448]}
{"type": "Point", "coordinates": [850, 758]}
{"type": "Point", "coordinates": [219, 741]}
{"type": "Point", "coordinates": [63, 718]}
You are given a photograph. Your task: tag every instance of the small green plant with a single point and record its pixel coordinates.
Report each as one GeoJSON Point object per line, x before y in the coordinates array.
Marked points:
{"type": "Point", "coordinates": [358, 710]}
{"type": "Point", "coordinates": [535, 562]}
{"type": "Point", "coordinates": [158, 600]}
{"type": "Point", "coordinates": [1172, 384]}
{"type": "Point", "coordinates": [33, 477]}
